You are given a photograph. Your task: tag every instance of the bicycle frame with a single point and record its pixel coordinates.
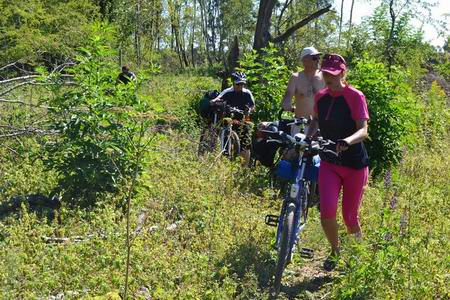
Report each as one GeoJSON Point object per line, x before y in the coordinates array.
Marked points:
{"type": "Point", "coordinates": [225, 134]}
{"type": "Point", "coordinates": [297, 196]}
{"type": "Point", "coordinates": [225, 131]}
{"type": "Point", "coordinates": [294, 210]}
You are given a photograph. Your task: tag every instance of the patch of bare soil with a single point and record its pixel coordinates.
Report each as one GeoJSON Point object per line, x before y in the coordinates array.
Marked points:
{"type": "Point", "coordinates": [307, 280]}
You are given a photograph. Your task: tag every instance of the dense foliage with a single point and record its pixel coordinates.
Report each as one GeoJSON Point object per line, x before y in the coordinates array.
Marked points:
{"type": "Point", "coordinates": [98, 123]}
{"type": "Point", "coordinates": [392, 110]}
{"type": "Point", "coordinates": [267, 79]}
{"type": "Point", "coordinates": [44, 31]}
{"type": "Point", "coordinates": [199, 228]}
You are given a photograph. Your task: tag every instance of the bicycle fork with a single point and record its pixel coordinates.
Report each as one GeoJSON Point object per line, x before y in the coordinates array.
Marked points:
{"type": "Point", "coordinates": [294, 195]}
{"type": "Point", "coordinates": [225, 139]}
{"type": "Point", "coordinates": [298, 227]}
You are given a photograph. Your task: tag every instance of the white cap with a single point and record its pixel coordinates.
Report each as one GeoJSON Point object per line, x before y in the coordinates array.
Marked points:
{"type": "Point", "coordinates": [309, 51]}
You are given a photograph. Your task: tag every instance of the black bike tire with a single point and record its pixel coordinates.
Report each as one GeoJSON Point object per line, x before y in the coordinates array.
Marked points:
{"type": "Point", "coordinates": [305, 205]}
{"type": "Point", "coordinates": [284, 248]}
{"type": "Point", "coordinates": [234, 145]}
{"type": "Point", "coordinates": [208, 140]}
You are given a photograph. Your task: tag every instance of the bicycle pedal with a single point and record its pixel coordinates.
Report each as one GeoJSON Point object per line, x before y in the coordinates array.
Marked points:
{"type": "Point", "coordinates": [306, 253]}
{"type": "Point", "coordinates": [272, 220]}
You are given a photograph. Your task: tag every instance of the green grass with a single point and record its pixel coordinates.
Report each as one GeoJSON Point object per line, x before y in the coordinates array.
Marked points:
{"type": "Point", "coordinates": [202, 233]}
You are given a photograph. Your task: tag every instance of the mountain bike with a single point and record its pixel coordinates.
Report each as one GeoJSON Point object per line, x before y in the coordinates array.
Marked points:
{"type": "Point", "coordinates": [294, 211]}
{"type": "Point", "coordinates": [223, 119]}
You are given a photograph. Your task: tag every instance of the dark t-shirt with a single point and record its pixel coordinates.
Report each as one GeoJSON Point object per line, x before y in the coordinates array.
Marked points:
{"type": "Point", "coordinates": [240, 100]}
{"type": "Point", "coordinates": [338, 113]}
{"type": "Point", "coordinates": [126, 77]}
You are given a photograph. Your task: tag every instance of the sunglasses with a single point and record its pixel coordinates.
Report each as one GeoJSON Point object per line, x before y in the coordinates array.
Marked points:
{"type": "Point", "coordinates": [240, 83]}
{"type": "Point", "coordinates": [315, 57]}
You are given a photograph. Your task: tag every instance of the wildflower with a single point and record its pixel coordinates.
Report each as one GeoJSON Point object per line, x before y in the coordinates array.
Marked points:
{"type": "Point", "coordinates": [387, 179]}
{"type": "Point", "coordinates": [393, 200]}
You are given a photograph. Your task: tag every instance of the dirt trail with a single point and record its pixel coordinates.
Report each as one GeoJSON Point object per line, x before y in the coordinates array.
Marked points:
{"type": "Point", "coordinates": [307, 280]}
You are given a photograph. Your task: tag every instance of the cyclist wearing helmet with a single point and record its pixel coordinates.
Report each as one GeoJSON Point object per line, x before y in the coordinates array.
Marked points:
{"type": "Point", "coordinates": [241, 98]}
{"type": "Point", "coordinates": [340, 111]}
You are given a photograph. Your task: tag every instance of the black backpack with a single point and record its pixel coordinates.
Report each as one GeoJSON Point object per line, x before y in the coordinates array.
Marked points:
{"type": "Point", "coordinates": [262, 150]}
{"type": "Point", "coordinates": [265, 152]}
{"type": "Point", "coordinates": [204, 105]}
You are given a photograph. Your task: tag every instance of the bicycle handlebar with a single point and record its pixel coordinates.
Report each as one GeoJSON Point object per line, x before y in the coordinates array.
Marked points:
{"type": "Point", "coordinates": [232, 109]}
{"type": "Point", "coordinates": [220, 105]}
{"type": "Point", "coordinates": [318, 144]}
{"type": "Point", "coordinates": [299, 121]}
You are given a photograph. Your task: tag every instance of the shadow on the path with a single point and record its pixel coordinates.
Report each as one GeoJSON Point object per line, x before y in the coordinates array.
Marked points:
{"type": "Point", "coordinates": [309, 284]}
{"type": "Point", "coordinates": [251, 263]}
{"type": "Point", "coordinates": [43, 206]}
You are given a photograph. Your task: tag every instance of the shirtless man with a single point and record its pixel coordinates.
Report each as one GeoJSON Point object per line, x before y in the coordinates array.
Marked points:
{"type": "Point", "coordinates": [303, 86]}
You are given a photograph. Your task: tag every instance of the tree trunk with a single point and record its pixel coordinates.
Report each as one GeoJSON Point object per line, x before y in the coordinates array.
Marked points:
{"type": "Point", "coordinates": [120, 55]}
{"type": "Point", "coordinates": [340, 23]}
{"type": "Point", "coordinates": [137, 33]}
{"type": "Point", "coordinates": [389, 49]}
{"type": "Point", "coordinates": [193, 34]}
{"type": "Point", "coordinates": [204, 22]}
{"type": "Point", "coordinates": [350, 23]}
{"type": "Point", "coordinates": [262, 31]}
{"type": "Point", "coordinates": [231, 62]}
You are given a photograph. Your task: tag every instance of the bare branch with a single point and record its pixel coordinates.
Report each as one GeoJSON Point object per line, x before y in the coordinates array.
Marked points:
{"type": "Point", "coordinates": [300, 24]}
{"type": "Point", "coordinates": [8, 65]}
{"type": "Point", "coordinates": [23, 103]}
{"type": "Point", "coordinates": [28, 131]}
{"type": "Point", "coordinates": [285, 6]}
{"type": "Point", "coordinates": [18, 79]}
{"type": "Point", "coordinates": [15, 87]}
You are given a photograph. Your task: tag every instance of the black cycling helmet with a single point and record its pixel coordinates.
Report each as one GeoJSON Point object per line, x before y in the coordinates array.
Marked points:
{"type": "Point", "coordinates": [239, 77]}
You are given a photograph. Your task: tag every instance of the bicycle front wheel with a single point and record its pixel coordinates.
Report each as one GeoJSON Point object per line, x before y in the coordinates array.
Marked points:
{"type": "Point", "coordinates": [230, 144]}
{"type": "Point", "coordinates": [234, 145]}
{"type": "Point", "coordinates": [284, 250]}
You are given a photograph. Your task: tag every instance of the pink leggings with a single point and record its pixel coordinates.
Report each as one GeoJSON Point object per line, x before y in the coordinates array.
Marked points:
{"type": "Point", "coordinates": [331, 178]}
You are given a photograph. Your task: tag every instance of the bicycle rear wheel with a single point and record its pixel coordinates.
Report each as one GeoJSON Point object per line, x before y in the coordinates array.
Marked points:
{"type": "Point", "coordinates": [208, 140]}
{"type": "Point", "coordinates": [284, 250]}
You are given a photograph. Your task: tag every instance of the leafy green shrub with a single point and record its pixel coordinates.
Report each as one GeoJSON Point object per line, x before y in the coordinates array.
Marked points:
{"type": "Point", "coordinates": [97, 125]}
{"type": "Point", "coordinates": [44, 31]}
{"type": "Point", "coordinates": [393, 115]}
{"type": "Point", "coordinates": [175, 100]}
{"type": "Point", "coordinates": [267, 77]}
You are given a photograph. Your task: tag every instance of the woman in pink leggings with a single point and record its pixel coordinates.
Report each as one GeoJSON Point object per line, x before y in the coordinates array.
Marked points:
{"type": "Point", "coordinates": [340, 111]}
